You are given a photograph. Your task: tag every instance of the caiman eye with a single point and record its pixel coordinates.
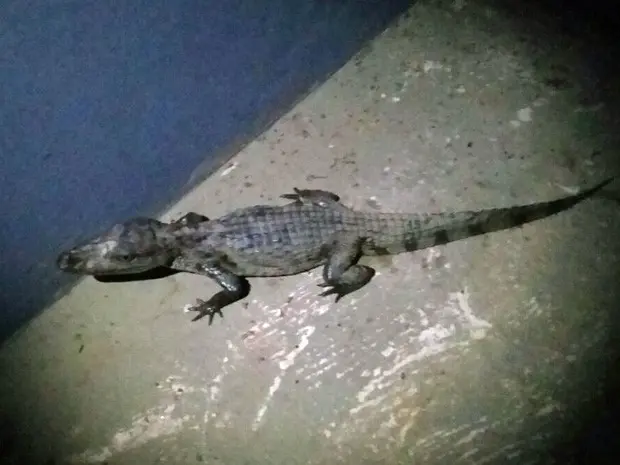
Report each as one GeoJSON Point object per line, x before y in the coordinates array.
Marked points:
{"type": "Point", "coordinates": [125, 258]}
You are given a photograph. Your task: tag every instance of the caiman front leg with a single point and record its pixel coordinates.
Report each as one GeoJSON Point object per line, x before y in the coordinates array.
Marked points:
{"type": "Point", "coordinates": [190, 219]}
{"type": "Point", "coordinates": [312, 197]}
{"type": "Point", "coordinates": [342, 273]}
{"type": "Point", "coordinates": [234, 288]}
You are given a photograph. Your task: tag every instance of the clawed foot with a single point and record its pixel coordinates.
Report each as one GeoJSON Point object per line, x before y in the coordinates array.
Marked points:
{"type": "Point", "coordinates": [354, 278]}
{"type": "Point", "coordinates": [312, 196]}
{"type": "Point", "coordinates": [205, 308]}
{"type": "Point", "coordinates": [339, 290]}
{"type": "Point", "coordinates": [190, 219]}
{"type": "Point", "coordinates": [297, 196]}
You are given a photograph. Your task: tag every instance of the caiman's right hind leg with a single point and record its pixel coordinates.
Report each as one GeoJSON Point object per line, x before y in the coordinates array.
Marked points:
{"type": "Point", "coordinates": [342, 273]}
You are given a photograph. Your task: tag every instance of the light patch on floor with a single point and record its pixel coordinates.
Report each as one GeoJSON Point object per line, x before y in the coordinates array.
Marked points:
{"type": "Point", "coordinates": [146, 426]}
{"type": "Point", "coordinates": [286, 361]}
{"type": "Point", "coordinates": [382, 399]}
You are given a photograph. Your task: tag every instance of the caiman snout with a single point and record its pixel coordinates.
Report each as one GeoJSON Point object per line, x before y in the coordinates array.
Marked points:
{"type": "Point", "coordinates": [67, 261]}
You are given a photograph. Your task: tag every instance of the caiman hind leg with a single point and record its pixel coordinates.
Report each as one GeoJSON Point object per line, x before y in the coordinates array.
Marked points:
{"type": "Point", "coordinates": [234, 287]}
{"type": "Point", "coordinates": [312, 197]}
{"type": "Point", "coordinates": [341, 272]}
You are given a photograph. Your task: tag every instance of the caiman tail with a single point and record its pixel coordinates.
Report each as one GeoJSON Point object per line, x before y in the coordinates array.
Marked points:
{"type": "Point", "coordinates": [397, 233]}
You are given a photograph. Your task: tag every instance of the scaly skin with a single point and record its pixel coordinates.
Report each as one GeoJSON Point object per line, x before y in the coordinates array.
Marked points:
{"type": "Point", "coordinates": [313, 230]}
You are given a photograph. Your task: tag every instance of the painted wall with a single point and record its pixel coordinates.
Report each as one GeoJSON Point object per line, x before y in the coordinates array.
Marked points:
{"type": "Point", "coordinates": [108, 109]}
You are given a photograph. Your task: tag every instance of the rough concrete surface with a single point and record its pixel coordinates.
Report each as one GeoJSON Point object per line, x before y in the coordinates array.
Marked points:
{"type": "Point", "coordinates": [476, 352]}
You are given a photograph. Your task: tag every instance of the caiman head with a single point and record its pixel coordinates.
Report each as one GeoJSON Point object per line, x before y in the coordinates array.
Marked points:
{"type": "Point", "coordinates": [134, 246]}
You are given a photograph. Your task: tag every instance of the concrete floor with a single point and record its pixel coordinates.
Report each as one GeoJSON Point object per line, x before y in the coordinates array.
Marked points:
{"type": "Point", "coordinates": [477, 352]}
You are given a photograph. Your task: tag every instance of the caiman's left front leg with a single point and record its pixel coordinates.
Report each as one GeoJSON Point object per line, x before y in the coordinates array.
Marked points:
{"type": "Point", "coordinates": [342, 273]}
{"type": "Point", "coordinates": [190, 219]}
{"type": "Point", "coordinates": [234, 288]}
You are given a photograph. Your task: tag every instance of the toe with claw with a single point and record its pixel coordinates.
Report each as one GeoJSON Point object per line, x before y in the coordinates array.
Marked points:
{"type": "Point", "coordinates": [205, 308]}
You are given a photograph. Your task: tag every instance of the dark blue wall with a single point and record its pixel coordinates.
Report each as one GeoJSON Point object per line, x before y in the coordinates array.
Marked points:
{"type": "Point", "coordinates": [108, 107]}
